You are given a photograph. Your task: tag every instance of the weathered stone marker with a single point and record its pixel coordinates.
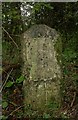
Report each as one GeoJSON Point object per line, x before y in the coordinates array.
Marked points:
{"type": "Point", "coordinates": [42, 87]}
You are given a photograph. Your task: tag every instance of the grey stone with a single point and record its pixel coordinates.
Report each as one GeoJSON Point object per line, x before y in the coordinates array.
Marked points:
{"type": "Point", "coordinates": [42, 85]}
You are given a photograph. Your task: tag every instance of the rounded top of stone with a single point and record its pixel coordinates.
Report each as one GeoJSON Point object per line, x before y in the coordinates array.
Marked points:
{"type": "Point", "coordinates": [41, 30]}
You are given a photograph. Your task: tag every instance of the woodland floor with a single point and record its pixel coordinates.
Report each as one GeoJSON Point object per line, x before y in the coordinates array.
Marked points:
{"type": "Point", "coordinates": [14, 98]}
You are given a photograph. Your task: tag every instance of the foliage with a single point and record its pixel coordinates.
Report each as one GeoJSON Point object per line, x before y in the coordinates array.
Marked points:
{"type": "Point", "coordinates": [20, 79]}
{"type": "Point", "coordinates": [9, 84]}
{"type": "Point", "coordinates": [4, 104]}
{"type": "Point", "coordinates": [40, 6]}
{"type": "Point", "coordinates": [60, 17]}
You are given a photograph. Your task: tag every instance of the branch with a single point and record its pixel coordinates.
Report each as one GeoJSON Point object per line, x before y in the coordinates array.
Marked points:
{"type": "Point", "coordinates": [15, 110]}
{"type": "Point", "coordinates": [10, 37]}
{"type": "Point", "coordinates": [6, 80]}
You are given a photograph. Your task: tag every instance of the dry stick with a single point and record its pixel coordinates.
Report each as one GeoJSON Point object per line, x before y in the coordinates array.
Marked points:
{"type": "Point", "coordinates": [15, 110]}
{"type": "Point", "coordinates": [73, 99]}
{"type": "Point", "coordinates": [6, 80]}
{"type": "Point", "coordinates": [10, 37]}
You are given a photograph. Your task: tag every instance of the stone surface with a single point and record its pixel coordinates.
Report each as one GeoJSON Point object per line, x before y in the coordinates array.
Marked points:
{"type": "Point", "coordinates": [42, 85]}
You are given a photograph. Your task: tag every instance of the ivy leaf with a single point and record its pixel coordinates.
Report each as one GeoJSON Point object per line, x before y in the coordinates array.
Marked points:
{"type": "Point", "coordinates": [4, 104]}
{"type": "Point", "coordinates": [9, 84]}
{"type": "Point", "coordinates": [20, 79]}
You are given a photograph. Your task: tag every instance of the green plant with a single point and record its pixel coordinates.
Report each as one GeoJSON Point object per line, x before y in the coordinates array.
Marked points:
{"type": "Point", "coordinates": [4, 104]}
{"type": "Point", "coordinates": [9, 84]}
{"type": "Point", "coordinates": [20, 79]}
{"type": "Point", "coordinates": [3, 117]}
{"type": "Point", "coordinates": [7, 88]}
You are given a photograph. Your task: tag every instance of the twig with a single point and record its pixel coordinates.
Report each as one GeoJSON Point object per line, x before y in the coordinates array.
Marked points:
{"type": "Point", "coordinates": [10, 37]}
{"type": "Point", "coordinates": [15, 110]}
{"type": "Point", "coordinates": [6, 80]}
{"type": "Point", "coordinates": [73, 99]}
